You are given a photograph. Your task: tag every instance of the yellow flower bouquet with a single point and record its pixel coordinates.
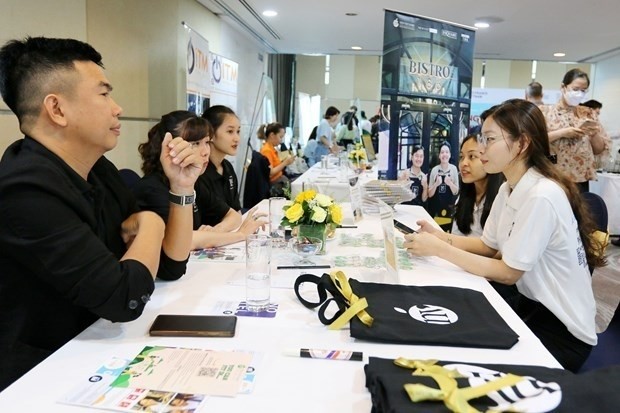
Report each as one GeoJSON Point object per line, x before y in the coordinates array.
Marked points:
{"type": "Point", "coordinates": [311, 208]}
{"type": "Point", "coordinates": [313, 214]}
{"type": "Point", "coordinates": [358, 154]}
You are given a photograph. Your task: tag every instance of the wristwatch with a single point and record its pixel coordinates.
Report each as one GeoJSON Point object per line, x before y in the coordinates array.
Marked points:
{"type": "Point", "coordinates": [181, 199]}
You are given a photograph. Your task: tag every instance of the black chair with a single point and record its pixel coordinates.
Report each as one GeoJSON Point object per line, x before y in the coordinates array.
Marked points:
{"type": "Point", "coordinates": [129, 176]}
{"type": "Point", "coordinates": [256, 181]}
{"type": "Point", "coordinates": [607, 351]}
{"type": "Point", "coordinates": [598, 209]}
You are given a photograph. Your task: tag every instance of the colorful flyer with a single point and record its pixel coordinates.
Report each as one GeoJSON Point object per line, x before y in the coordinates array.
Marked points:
{"type": "Point", "coordinates": [220, 254]}
{"type": "Point", "coordinates": [95, 391]}
{"type": "Point", "coordinates": [241, 309]}
{"type": "Point", "coordinates": [169, 369]}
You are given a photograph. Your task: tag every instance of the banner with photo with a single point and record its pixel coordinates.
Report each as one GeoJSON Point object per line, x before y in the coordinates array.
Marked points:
{"type": "Point", "coordinates": [426, 85]}
{"type": "Point", "coordinates": [224, 80]}
{"type": "Point", "coordinates": [198, 73]}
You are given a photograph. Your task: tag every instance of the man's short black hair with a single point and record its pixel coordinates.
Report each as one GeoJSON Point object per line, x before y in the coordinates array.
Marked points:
{"type": "Point", "coordinates": [27, 66]}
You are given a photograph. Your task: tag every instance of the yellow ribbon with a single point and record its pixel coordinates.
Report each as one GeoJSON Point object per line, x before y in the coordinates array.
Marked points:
{"type": "Point", "coordinates": [455, 399]}
{"type": "Point", "coordinates": [602, 238]}
{"type": "Point", "coordinates": [357, 306]}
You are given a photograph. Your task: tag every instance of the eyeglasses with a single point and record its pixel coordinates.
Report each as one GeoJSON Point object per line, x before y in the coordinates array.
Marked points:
{"type": "Point", "coordinates": [487, 141]}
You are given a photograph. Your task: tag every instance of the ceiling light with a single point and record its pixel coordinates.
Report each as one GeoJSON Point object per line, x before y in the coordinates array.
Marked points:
{"type": "Point", "coordinates": [350, 14]}
{"type": "Point", "coordinates": [559, 54]}
{"type": "Point", "coordinates": [482, 25]}
{"type": "Point", "coordinates": [356, 47]}
{"type": "Point", "coordinates": [270, 13]}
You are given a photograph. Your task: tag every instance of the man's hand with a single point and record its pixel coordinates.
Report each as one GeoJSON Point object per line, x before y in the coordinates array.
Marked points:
{"type": "Point", "coordinates": [131, 226]}
{"type": "Point", "coordinates": [181, 163]}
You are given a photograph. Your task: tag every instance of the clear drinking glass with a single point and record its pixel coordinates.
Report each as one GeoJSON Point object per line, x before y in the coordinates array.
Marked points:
{"type": "Point", "coordinates": [276, 213]}
{"type": "Point", "coordinates": [257, 272]}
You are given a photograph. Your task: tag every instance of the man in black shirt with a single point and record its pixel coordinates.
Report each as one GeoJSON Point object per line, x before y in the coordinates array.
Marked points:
{"type": "Point", "coordinates": [73, 245]}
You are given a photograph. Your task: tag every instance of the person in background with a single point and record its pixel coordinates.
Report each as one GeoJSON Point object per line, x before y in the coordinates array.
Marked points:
{"type": "Point", "coordinates": [593, 104]}
{"type": "Point", "coordinates": [310, 149]}
{"type": "Point", "coordinates": [477, 191]}
{"type": "Point", "coordinates": [349, 133]}
{"type": "Point", "coordinates": [220, 177]}
{"type": "Point", "coordinates": [365, 124]}
{"type": "Point", "coordinates": [271, 134]}
{"type": "Point", "coordinates": [443, 185]}
{"type": "Point", "coordinates": [418, 179]}
{"type": "Point", "coordinates": [534, 93]}
{"type": "Point", "coordinates": [325, 134]}
{"type": "Point", "coordinates": [74, 246]}
{"type": "Point", "coordinates": [575, 132]}
{"type": "Point", "coordinates": [549, 269]}
{"type": "Point", "coordinates": [152, 189]}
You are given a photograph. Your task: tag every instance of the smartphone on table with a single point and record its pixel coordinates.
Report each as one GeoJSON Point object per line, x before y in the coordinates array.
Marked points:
{"type": "Point", "coordinates": [176, 325]}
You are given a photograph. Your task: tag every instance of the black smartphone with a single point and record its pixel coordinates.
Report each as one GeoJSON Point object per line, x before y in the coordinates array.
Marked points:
{"type": "Point", "coordinates": [194, 325]}
{"type": "Point", "coordinates": [403, 228]}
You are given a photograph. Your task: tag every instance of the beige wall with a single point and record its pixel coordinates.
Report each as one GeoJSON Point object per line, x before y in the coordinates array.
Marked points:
{"type": "Point", "coordinates": [21, 18]}
{"type": "Point", "coordinates": [143, 45]}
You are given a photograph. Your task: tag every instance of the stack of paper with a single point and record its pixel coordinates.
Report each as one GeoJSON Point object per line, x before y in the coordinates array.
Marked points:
{"type": "Point", "coordinates": [390, 192]}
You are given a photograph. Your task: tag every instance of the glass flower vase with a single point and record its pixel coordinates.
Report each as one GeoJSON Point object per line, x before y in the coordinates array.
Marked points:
{"type": "Point", "coordinates": [314, 231]}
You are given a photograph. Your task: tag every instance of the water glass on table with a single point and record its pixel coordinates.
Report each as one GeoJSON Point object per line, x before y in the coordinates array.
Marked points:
{"type": "Point", "coordinates": [257, 271]}
{"type": "Point", "coordinates": [276, 213]}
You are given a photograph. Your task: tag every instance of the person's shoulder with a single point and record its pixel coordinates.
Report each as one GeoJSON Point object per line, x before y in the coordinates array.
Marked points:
{"type": "Point", "coordinates": [26, 161]}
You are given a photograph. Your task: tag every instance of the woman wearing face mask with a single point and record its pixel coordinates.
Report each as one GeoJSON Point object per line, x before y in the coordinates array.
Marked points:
{"type": "Point", "coordinates": [418, 179]}
{"type": "Point", "coordinates": [543, 229]}
{"type": "Point", "coordinates": [575, 132]}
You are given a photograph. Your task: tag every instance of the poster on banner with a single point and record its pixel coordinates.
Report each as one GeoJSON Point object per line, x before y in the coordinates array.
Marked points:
{"type": "Point", "coordinates": [198, 82]}
{"type": "Point", "coordinates": [224, 81]}
{"type": "Point", "coordinates": [426, 57]}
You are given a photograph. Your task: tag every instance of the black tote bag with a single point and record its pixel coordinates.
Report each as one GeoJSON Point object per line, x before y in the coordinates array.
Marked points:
{"type": "Point", "coordinates": [532, 388]}
{"type": "Point", "coordinates": [430, 315]}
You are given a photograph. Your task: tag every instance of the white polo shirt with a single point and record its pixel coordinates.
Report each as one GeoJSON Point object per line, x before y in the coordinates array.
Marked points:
{"type": "Point", "coordinates": [536, 232]}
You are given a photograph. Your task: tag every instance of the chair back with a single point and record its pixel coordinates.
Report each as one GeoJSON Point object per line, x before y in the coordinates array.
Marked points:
{"type": "Point", "coordinates": [257, 180]}
{"type": "Point", "coordinates": [598, 209]}
{"type": "Point", "coordinates": [129, 176]}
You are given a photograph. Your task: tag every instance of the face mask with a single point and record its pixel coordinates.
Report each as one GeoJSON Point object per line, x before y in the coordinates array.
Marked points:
{"type": "Point", "coordinates": [573, 97]}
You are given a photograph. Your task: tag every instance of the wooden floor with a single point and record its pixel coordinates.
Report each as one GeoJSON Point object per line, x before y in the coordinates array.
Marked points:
{"type": "Point", "coordinates": [606, 285]}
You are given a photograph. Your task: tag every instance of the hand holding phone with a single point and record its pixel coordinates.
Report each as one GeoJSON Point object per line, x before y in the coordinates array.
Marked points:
{"type": "Point", "coordinates": [403, 228]}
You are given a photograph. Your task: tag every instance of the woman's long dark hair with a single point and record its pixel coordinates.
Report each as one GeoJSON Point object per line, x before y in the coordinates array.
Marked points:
{"type": "Point", "coordinates": [522, 119]}
{"type": "Point", "coordinates": [464, 214]}
{"type": "Point", "coordinates": [179, 123]}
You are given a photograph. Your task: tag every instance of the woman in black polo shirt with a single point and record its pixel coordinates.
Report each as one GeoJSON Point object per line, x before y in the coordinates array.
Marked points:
{"type": "Point", "coordinates": [220, 177]}
{"type": "Point", "coordinates": [215, 222]}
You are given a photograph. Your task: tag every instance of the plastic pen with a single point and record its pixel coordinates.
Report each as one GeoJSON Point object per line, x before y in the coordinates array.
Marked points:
{"type": "Point", "coordinates": [326, 354]}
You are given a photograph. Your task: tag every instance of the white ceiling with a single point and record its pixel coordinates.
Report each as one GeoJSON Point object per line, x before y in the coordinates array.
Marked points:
{"type": "Point", "coordinates": [586, 31]}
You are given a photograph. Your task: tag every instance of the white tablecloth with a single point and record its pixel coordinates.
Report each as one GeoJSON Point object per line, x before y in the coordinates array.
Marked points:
{"type": "Point", "coordinates": [331, 181]}
{"type": "Point", "coordinates": [608, 187]}
{"type": "Point", "coordinates": [284, 384]}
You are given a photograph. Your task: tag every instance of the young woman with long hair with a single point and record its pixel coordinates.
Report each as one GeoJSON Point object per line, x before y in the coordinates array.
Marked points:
{"type": "Point", "coordinates": [540, 224]}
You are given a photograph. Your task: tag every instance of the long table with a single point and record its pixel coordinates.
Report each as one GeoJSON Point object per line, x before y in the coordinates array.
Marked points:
{"type": "Point", "coordinates": [329, 181]}
{"type": "Point", "coordinates": [283, 383]}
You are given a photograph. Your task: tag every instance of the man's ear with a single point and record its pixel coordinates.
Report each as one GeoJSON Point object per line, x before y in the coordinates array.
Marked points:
{"type": "Point", "coordinates": [53, 109]}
